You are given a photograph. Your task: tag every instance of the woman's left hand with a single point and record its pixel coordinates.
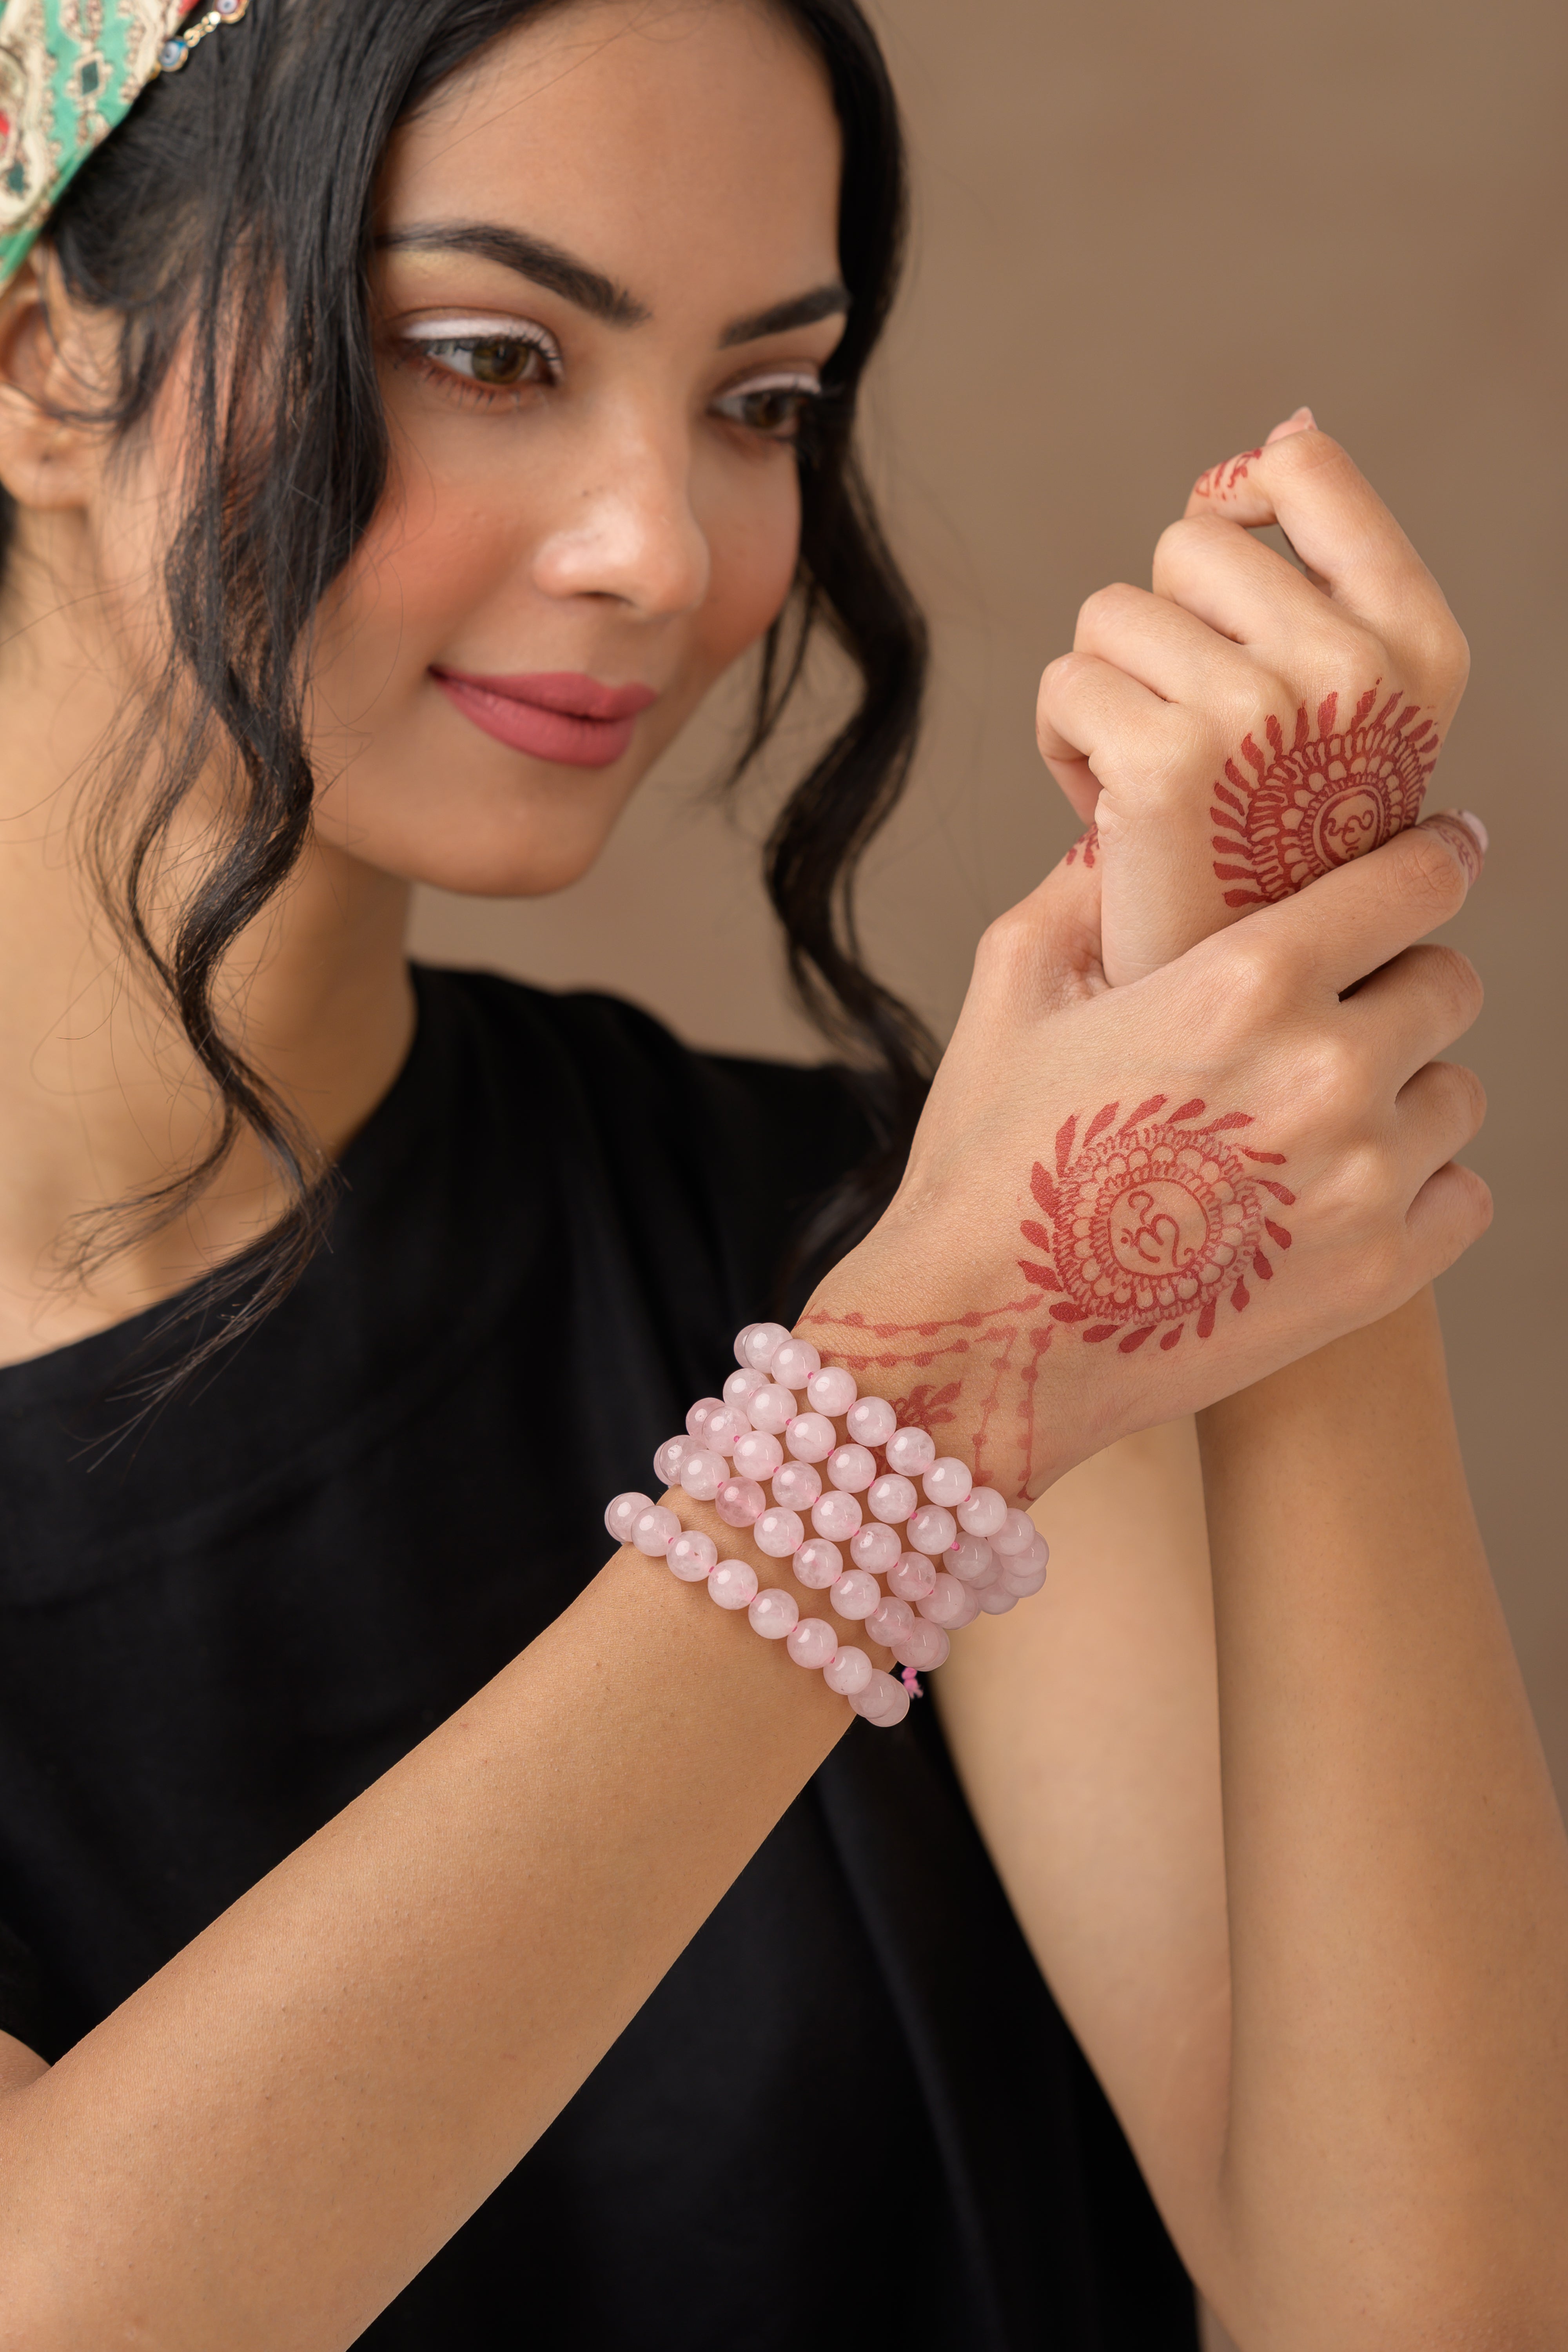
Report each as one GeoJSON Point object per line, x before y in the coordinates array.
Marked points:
{"type": "Point", "coordinates": [1247, 727]}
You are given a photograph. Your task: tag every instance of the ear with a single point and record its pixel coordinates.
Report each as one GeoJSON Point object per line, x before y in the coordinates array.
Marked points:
{"type": "Point", "coordinates": [47, 376]}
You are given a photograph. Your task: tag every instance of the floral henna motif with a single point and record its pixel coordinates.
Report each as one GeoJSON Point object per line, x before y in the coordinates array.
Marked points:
{"type": "Point", "coordinates": [1086, 846]}
{"type": "Point", "coordinates": [1151, 1222]}
{"type": "Point", "coordinates": [1302, 808]}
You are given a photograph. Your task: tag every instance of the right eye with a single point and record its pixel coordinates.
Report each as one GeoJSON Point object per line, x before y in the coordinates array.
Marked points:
{"type": "Point", "coordinates": [479, 358]}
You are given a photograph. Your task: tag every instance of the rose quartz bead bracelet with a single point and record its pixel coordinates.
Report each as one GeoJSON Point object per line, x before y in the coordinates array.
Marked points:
{"type": "Point", "coordinates": [828, 1500]}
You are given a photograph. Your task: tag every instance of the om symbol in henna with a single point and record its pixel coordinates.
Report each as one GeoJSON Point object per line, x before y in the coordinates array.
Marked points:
{"type": "Point", "coordinates": [1154, 1219]}
{"type": "Point", "coordinates": [1146, 1224]}
{"type": "Point", "coordinates": [1307, 807]}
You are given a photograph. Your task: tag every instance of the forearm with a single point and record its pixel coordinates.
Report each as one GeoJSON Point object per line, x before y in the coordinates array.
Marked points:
{"type": "Point", "coordinates": [1396, 1872]}
{"type": "Point", "coordinates": [269, 2138]}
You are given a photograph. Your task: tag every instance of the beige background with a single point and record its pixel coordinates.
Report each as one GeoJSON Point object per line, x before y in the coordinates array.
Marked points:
{"type": "Point", "coordinates": [1146, 233]}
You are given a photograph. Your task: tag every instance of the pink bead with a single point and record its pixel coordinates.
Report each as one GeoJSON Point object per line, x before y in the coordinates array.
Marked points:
{"type": "Point", "coordinates": [945, 1603]}
{"type": "Point", "coordinates": [774, 1614]}
{"type": "Point", "coordinates": [757, 1345]}
{"type": "Point", "coordinates": [857, 1594]}
{"type": "Point", "coordinates": [1016, 1534]}
{"type": "Point", "coordinates": [847, 1672]}
{"type": "Point", "coordinates": [693, 1557]}
{"type": "Point", "coordinates": [1022, 1582]}
{"type": "Point", "coordinates": [666, 1461]}
{"type": "Point", "coordinates": [996, 1600]}
{"type": "Point", "coordinates": [772, 1409]}
{"type": "Point", "coordinates": [702, 1473]}
{"type": "Point", "coordinates": [883, 1702]}
{"type": "Point", "coordinates": [811, 1437]}
{"type": "Point", "coordinates": [910, 1450]}
{"type": "Point", "coordinates": [948, 1481]}
{"type": "Point", "coordinates": [870, 1420]}
{"type": "Point", "coordinates": [740, 1502]}
{"type": "Point", "coordinates": [812, 1643]}
{"type": "Point", "coordinates": [851, 1467]}
{"type": "Point", "coordinates": [654, 1530]}
{"type": "Point", "coordinates": [743, 1384]}
{"type": "Point", "coordinates": [912, 1578]}
{"type": "Point", "coordinates": [818, 1564]}
{"type": "Point", "coordinates": [757, 1454]}
{"type": "Point", "coordinates": [971, 1559]}
{"type": "Point", "coordinates": [697, 1419]}
{"type": "Point", "coordinates": [835, 1516]}
{"type": "Point", "coordinates": [931, 1529]}
{"type": "Point", "coordinates": [779, 1533]}
{"type": "Point", "coordinates": [723, 1427]}
{"type": "Point", "coordinates": [888, 1620]}
{"type": "Point", "coordinates": [968, 1613]}
{"type": "Point", "coordinates": [831, 1390]}
{"type": "Point", "coordinates": [733, 1584]}
{"type": "Point", "coordinates": [874, 1548]}
{"type": "Point", "coordinates": [795, 1363]}
{"type": "Point", "coordinates": [796, 1486]}
{"type": "Point", "coordinates": [924, 1647]}
{"type": "Point", "coordinates": [983, 1513]}
{"type": "Point", "coordinates": [893, 1498]}
{"type": "Point", "coordinates": [623, 1514]}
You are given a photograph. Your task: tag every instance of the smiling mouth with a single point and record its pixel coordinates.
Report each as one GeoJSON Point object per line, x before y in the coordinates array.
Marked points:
{"type": "Point", "coordinates": [562, 716]}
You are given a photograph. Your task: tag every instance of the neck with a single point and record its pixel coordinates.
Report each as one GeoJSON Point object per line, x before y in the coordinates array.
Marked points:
{"type": "Point", "coordinates": [101, 1096]}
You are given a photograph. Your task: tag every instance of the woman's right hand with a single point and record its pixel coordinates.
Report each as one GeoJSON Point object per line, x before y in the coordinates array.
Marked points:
{"type": "Point", "coordinates": [1125, 1203]}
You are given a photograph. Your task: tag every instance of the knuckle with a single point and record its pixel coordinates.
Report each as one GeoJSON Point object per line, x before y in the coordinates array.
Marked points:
{"type": "Point", "coordinates": [1106, 606]}
{"type": "Point", "coordinates": [1439, 656]}
{"type": "Point", "coordinates": [1250, 986]}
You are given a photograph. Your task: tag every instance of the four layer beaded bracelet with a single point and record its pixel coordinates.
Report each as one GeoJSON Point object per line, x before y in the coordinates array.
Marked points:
{"type": "Point", "coordinates": [990, 1556]}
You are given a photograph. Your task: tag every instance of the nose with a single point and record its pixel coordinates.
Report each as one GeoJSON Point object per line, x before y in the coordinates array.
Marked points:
{"type": "Point", "coordinates": [623, 524]}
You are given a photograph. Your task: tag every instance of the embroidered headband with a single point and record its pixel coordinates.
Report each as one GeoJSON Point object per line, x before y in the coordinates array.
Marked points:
{"type": "Point", "coordinates": [71, 72]}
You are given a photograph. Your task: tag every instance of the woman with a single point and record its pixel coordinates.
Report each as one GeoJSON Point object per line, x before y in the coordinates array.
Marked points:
{"type": "Point", "coordinates": [417, 1935]}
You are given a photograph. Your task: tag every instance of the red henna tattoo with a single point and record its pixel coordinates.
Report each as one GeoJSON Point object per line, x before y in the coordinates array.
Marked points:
{"type": "Point", "coordinates": [1149, 1222]}
{"type": "Point", "coordinates": [1297, 809]}
{"type": "Point", "coordinates": [1221, 481]}
{"type": "Point", "coordinates": [1086, 846]}
{"type": "Point", "coordinates": [1153, 1222]}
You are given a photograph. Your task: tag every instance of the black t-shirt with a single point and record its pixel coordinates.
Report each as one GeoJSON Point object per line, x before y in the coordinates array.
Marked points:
{"type": "Point", "coordinates": [217, 1633]}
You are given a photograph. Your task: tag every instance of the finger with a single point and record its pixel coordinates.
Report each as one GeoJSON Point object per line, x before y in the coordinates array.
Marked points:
{"type": "Point", "coordinates": [1085, 705]}
{"type": "Point", "coordinates": [1360, 916]}
{"type": "Point", "coordinates": [1178, 650]}
{"type": "Point", "coordinates": [1044, 952]}
{"type": "Point", "coordinates": [1247, 593]}
{"type": "Point", "coordinates": [1416, 1007]}
{"type": "Point", "coordinates": [1453, 1209]}
{"type": "Point", "coordinates": [1336, 522]}
{"type": "Point", "coordinates": [1440, 1111]}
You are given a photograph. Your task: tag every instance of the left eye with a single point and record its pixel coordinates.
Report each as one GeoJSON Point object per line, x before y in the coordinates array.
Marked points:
{"type": "Point", "coordinates": [776, 406]}
{"type": "Point", "coordinates": [501, 361]}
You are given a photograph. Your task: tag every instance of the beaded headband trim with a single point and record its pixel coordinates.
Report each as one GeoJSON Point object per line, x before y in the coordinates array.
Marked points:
{"type": "Point", "coordinates": [71, 72]}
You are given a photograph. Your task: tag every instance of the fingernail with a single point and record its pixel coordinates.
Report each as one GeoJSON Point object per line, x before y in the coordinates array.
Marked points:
{"type": "Point", "coordinates": [1465, 834]}
{"type": "Point", "coordinates": [1303, 421]}
{"type": "Point", "coordinates": [1468, 816]}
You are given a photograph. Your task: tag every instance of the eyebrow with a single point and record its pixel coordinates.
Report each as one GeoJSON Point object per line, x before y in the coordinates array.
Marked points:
{"type": "Point", "coordinates": [589, 289]}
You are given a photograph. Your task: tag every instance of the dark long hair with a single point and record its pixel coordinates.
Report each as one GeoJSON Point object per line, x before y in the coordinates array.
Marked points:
{"type": "Point", "coordinates": [230, 215]}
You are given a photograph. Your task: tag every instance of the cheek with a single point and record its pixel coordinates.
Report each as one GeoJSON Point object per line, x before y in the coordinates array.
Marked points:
{"type": "Point", "coordinates": [753, 548]}
{"type": "Point", "coordinates": [426, 562]}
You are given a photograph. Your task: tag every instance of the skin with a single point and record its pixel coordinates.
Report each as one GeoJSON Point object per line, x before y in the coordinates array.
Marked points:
{"type": "Point", "coordinates": [274, 2134]}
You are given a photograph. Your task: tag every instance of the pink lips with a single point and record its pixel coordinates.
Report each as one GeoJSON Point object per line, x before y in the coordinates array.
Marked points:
{"type": "Point", "coordinates": [558, 715]}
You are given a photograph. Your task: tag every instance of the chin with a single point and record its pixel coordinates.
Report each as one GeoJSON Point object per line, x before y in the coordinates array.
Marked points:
{"type": "Point", "coordinates": [480, 842]}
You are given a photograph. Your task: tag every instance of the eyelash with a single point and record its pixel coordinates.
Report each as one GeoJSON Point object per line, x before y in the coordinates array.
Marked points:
{"type": "Point", "coordinates": [429, 354]}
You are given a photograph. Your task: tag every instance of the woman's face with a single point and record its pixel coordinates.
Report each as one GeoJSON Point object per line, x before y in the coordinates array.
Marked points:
{"type": "Point", "coordinates": [605, 284]}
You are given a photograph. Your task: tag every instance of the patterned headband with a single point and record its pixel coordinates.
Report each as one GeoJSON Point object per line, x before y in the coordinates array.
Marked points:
{"type": "Point", "coordinates": [71, 72]}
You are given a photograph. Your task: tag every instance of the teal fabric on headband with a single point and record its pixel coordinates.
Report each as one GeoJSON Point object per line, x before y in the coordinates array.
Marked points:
{"type": "Point", "coordinates": [71, 72]}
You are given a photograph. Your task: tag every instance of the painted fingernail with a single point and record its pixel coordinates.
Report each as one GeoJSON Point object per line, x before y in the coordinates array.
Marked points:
{"type": "Point", "coordinates": [1303, 421]}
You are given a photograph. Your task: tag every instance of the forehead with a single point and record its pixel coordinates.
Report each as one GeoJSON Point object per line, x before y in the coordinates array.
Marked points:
{"type": "Point", "coordinates": [687, 148]}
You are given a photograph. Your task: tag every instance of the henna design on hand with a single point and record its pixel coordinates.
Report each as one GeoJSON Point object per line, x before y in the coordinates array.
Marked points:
{"type": "Point", "coordinates": [1151, 1222]}
{"type": "Point", "coordinates": [1220, 481]}
{"type": "Point", "coordinates": [1086, 846]}
{"type": "Point", "coordinates": [1324, 798]}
